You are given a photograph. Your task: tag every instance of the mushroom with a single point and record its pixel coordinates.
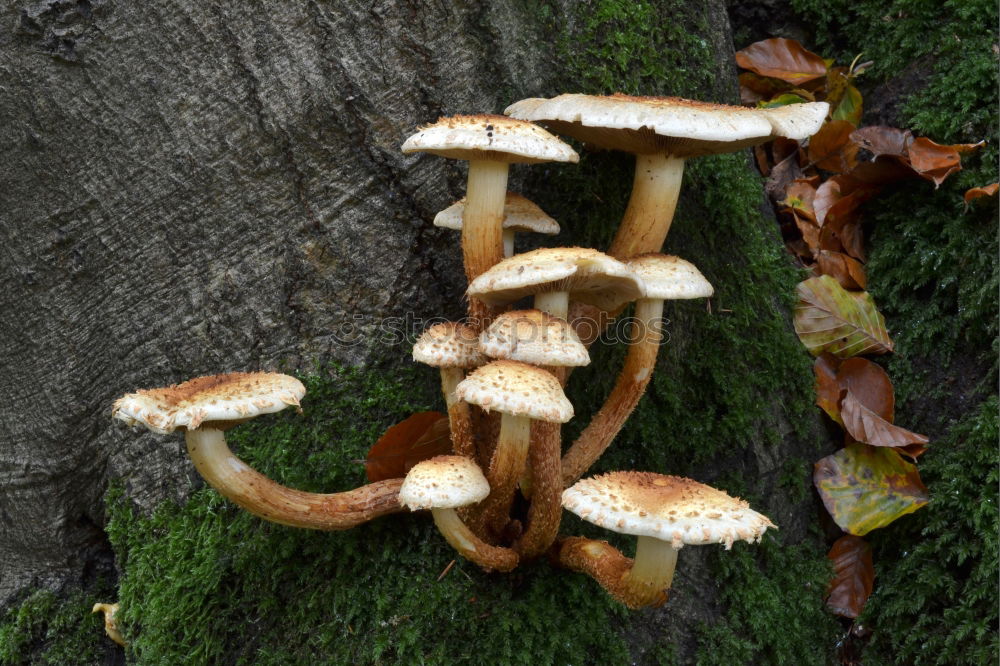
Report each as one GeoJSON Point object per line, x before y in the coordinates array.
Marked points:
{"type": "Point", "coordinates": [519, 214]}
{"type": "Point", "coordinates": [521, 393]}
{"type": "Point", "coordinates": [664, 513]}
{"type": "Point", "coordinates": [535, 337]}
{"type": "Point", "coordinates": [443, 484]}
{"type": "Point", "coordinates": [490, 144]}
{"type": "Point", "coordinates": [452, 348]}
{"type": "Point", "coordinates": [663, 277]}
{"type": "Point", "coordinates": [110, 626]}
{"type": "Point", "coordinates": [556, 275]}
{"type": "Point", "coordinates": [207, 406]}
{"type": "Point", "coordinates": [662, 132]}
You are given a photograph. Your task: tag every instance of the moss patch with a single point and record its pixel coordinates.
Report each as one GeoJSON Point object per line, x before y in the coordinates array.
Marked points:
{"type": "Point", "coordinates": [58, 630]}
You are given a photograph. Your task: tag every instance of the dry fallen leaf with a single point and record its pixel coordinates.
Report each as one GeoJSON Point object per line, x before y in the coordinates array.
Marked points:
{"type": "Point", "coordinates": [420, 437]}
{"type": "Point", "coordinates": [864, 425]}
{"type": "Point", "coordinates": [844, 269]}
{"type": "Point", "coordinates": [853, 576]}
{"type": "Point", "coordinates": [981, 192]}
{"type": "Point", "coordinates": [831, 149]}
{"type": "Point", "coordinates": [829, 318]}
{"type": "Point", "coordinates": [783, 59]}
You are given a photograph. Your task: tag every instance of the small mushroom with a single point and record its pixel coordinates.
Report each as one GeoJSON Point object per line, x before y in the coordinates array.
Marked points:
{"type": "Point", "coordinates": [664, 513]}
{"type": "Point", "coordinates": [443, 484]}
{"type": "Point", "coordinates": [110, 626]}
{"type": "Point", "coordinates": [664, 277]}
{"type": "Point", "coordinates": [205, 407]}
{"type": "Point", "coordinates": [662, 132]}
{"type": "Point", "coordinates": [519, 215]}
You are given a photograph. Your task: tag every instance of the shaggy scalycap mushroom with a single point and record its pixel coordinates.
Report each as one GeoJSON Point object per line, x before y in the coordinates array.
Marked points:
{"type": "Point", "coordinates": [207, 406]}
{"type": "Point", "coordinates": [520, 214]}
{"type": "Point", "coordinates": [665, 513]}
{"type": "Point", "coordinates": [535, 337]}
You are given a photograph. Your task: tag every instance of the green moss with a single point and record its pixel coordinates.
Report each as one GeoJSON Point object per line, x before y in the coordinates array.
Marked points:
{"type": "Point", "coordinates": [58, 630]}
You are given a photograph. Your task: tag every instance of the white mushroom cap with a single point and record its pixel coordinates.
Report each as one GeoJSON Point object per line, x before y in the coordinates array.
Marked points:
{"type": "Point", "coordinates": [519, 214]}
{"type": "Point", "coordinates": [516, 388]}
{"type": "Point", "coordinates": [588, 275]}
{"type": "Point", "coordinates": [535, 337]}
{"type": "Point", "coordinates": [489, 137]}
{"type": "Point", "coordinates": [681, 127]}
{"type": "Point", "coordinates": [668, 277]}
{"type": "Point", "coordinates": [670, 508]}
{"type": "Point", "coordinates": [234, 396]}
{"type": "Point", "coordinates": [449, 345]}
{"type": "Point", "coordinates": [444, 482]}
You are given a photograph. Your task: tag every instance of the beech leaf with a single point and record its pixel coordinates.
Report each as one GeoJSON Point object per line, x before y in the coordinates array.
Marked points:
{"type": "Point", "coordinates": [866, 487]}
{"type": "Point", "coordinates": [828, 388]}
{"type": "Point", "coordinates": [869, 384]}
{"type": "Point", "coordinates": [781, 58]}
{"type": "Point", "coordinates": [865, 425]}
{"type": "Point", "coordinates": [831, 148]}
{"type": "Point", "coordinates": [853, 576]}
{"type": "Point", "coordinates": [419, 437]}
{"type": "Point", "coordinates": [832, 319]}
{"type": "Point", "coordinates": [980, 192]}
{"type": "Point", "coordinates": [882, 140]}
{"type": "Point", "coordinates": [850, 108]}
{"type": "Point", "coordinates": [844, 269]}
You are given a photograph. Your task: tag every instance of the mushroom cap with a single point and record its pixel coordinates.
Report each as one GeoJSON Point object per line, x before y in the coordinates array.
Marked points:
{"type": "Point", "coordinates": [680, 127]}
{"type": "Point", "coordinates": [449, 345]}
{"type": "Point", "coordinates": [443, 482]}
{"type": "Point", "coordinates": [535, 337]}
{"type": "Point", "coordinates": [516, 388]}
{"type": "Point", "coordinates": [670, 508]}
{"type": "Point", "coordinates": [234, 396]}
{"type": "Point", "coordinates": [668, 277]}
{"type": "Point", "coordinates": [489, 137]}
{"type": "Point", "coordinates": [588, 275]}
{"type": "Point", "coordinates": [519, 214]}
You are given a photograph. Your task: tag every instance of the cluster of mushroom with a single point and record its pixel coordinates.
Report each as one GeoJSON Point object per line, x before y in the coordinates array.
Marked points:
{"type": "Point", "coordinates": [503, 370]}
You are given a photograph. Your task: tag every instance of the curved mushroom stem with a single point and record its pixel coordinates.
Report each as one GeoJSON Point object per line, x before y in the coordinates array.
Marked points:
{"type": "Point", "coordinates": [508, 463]}
{"type": "Point", "coordinates": [271, 501]}
{"type": "Point", "coordinates": [631, 384]}
{"type": "Point", "coordinates": [612, 570]}
{"type": "Point", "coordinates": [469, 545]}
{"type": "Point", "coordinates": [459, 415]}
{"type": "Point", "coordinates": [110, 626]}
{"type": "Point", "coordinates": [482, 227]}
{"type": "Point", "coordinates": [650, 211]}
{"type": "Point", "coordinates": [545, 511]}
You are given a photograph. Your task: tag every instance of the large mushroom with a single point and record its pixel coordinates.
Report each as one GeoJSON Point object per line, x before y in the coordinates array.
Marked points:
{"type": "Point", "coordinates": [520, 214]}
{"type": "Point", "coordinates": [443, 484]}
{"type": "Point", "coordinates": [521, 393]}
{"type": "Point", "coordinates": [662, 132]}
{"type": "Point", "coordinates": [490, 144]}
{"type": "Point", "coordinates": [205, 407]}
{"type": "Point", "coordinates": [665, 513]}
{"type": "Point", "coordinates": [664, 277]}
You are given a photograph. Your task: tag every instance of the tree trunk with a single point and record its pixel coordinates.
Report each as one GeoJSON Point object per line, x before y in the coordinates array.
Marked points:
{"type": "Point", "coordinates": [197, 187]}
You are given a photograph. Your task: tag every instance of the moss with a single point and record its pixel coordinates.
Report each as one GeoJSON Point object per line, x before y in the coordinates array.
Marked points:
{"type": "Point", "coordinates": [55, 629]}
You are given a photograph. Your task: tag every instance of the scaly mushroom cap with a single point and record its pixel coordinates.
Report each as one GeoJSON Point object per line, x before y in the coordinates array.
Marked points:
{"type": "Point", "coordinates": [670, 508]}
{"type": "Point", "coordinates": [668, 277]}
{"type": "Point", "coordinates": [489, 137]}
{"type": "Point", "coordinates": [516, 388]}
{"type": "Point", "coordinates": [535, 337]}
{"type": "Point", "coordinates": [235, 396]}
{"type": "Point", "coordinates": [588, 275]}
{"type": "Point", "coordinates": [519, 214]}
{"type": "Point", "coordinates": [680, 127]}
{"type": "Point", "coordinates": [449, 345]}
{"type": "Point", "coordinates": [444, 482]}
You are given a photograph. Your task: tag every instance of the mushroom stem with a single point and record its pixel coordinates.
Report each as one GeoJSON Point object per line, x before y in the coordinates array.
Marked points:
{"type": "Point", "coordinates": [508, 242]}
{"type": "Point", "coordinates": [652, 571]}
{"type": "Point", "coordinates": [632, 381]}
{"type": "Point", "coordinates": [459, 416]}
{"type": "Point", "coordinates": [650, 211]}
{"type": "Point", "coordinates": [612, 570]}
{"type": "Point", "coordinates": [469, 545]}
{"type": "Point", "coordinates": [545, 511]}
{"type": "Point", "coordinates": [482, 227]}
{"type": "Point", "coordinates": [273, 502]}
{"type": "Point", "coordinates": [556, 303]}
{"type": "Point", "coordinates": [506, 467]}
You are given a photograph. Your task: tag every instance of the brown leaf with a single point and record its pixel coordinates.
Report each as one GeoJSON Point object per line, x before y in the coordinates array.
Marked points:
{"type": "Point", "coordinates": [760, 155]}
{"type": "Point", "coordinates": [783, 173]}
{"type": "Point", "coordinates": [828, 387]}
{"type": "Point", "coordinates": [831, 149]}
{"type": "Point", "coordinates": [844, 269]}
{"type": "Point", "coordinates": [810, 233]}
{"type": "Point", "coordinates": [420, 437]}
{"type": "Point", "coordinates": [865, 425]}
{"type": "Point", "coordinates": [882, 140]}
{"type": "Point", "coordinates": [882, 171]}
{"type": "Point", "coordinates": [934, 161]}
{"type": "Point", "coordinates": [980, 192]}
{"type": "Point", "coordinates": [799, 199]}
{"type": "Point", "coordinates": [853, 576]}
{"type": "Point", "coordinates": [829, 318]}
{"type": "Point", "coordinates": [869, 384]}
{"type": "Point", "coordinates": [754, 88]}
{"type": "Point", "coordinates": [783, 59]}
{"type": "Point", "coordinates": [852, 239]}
